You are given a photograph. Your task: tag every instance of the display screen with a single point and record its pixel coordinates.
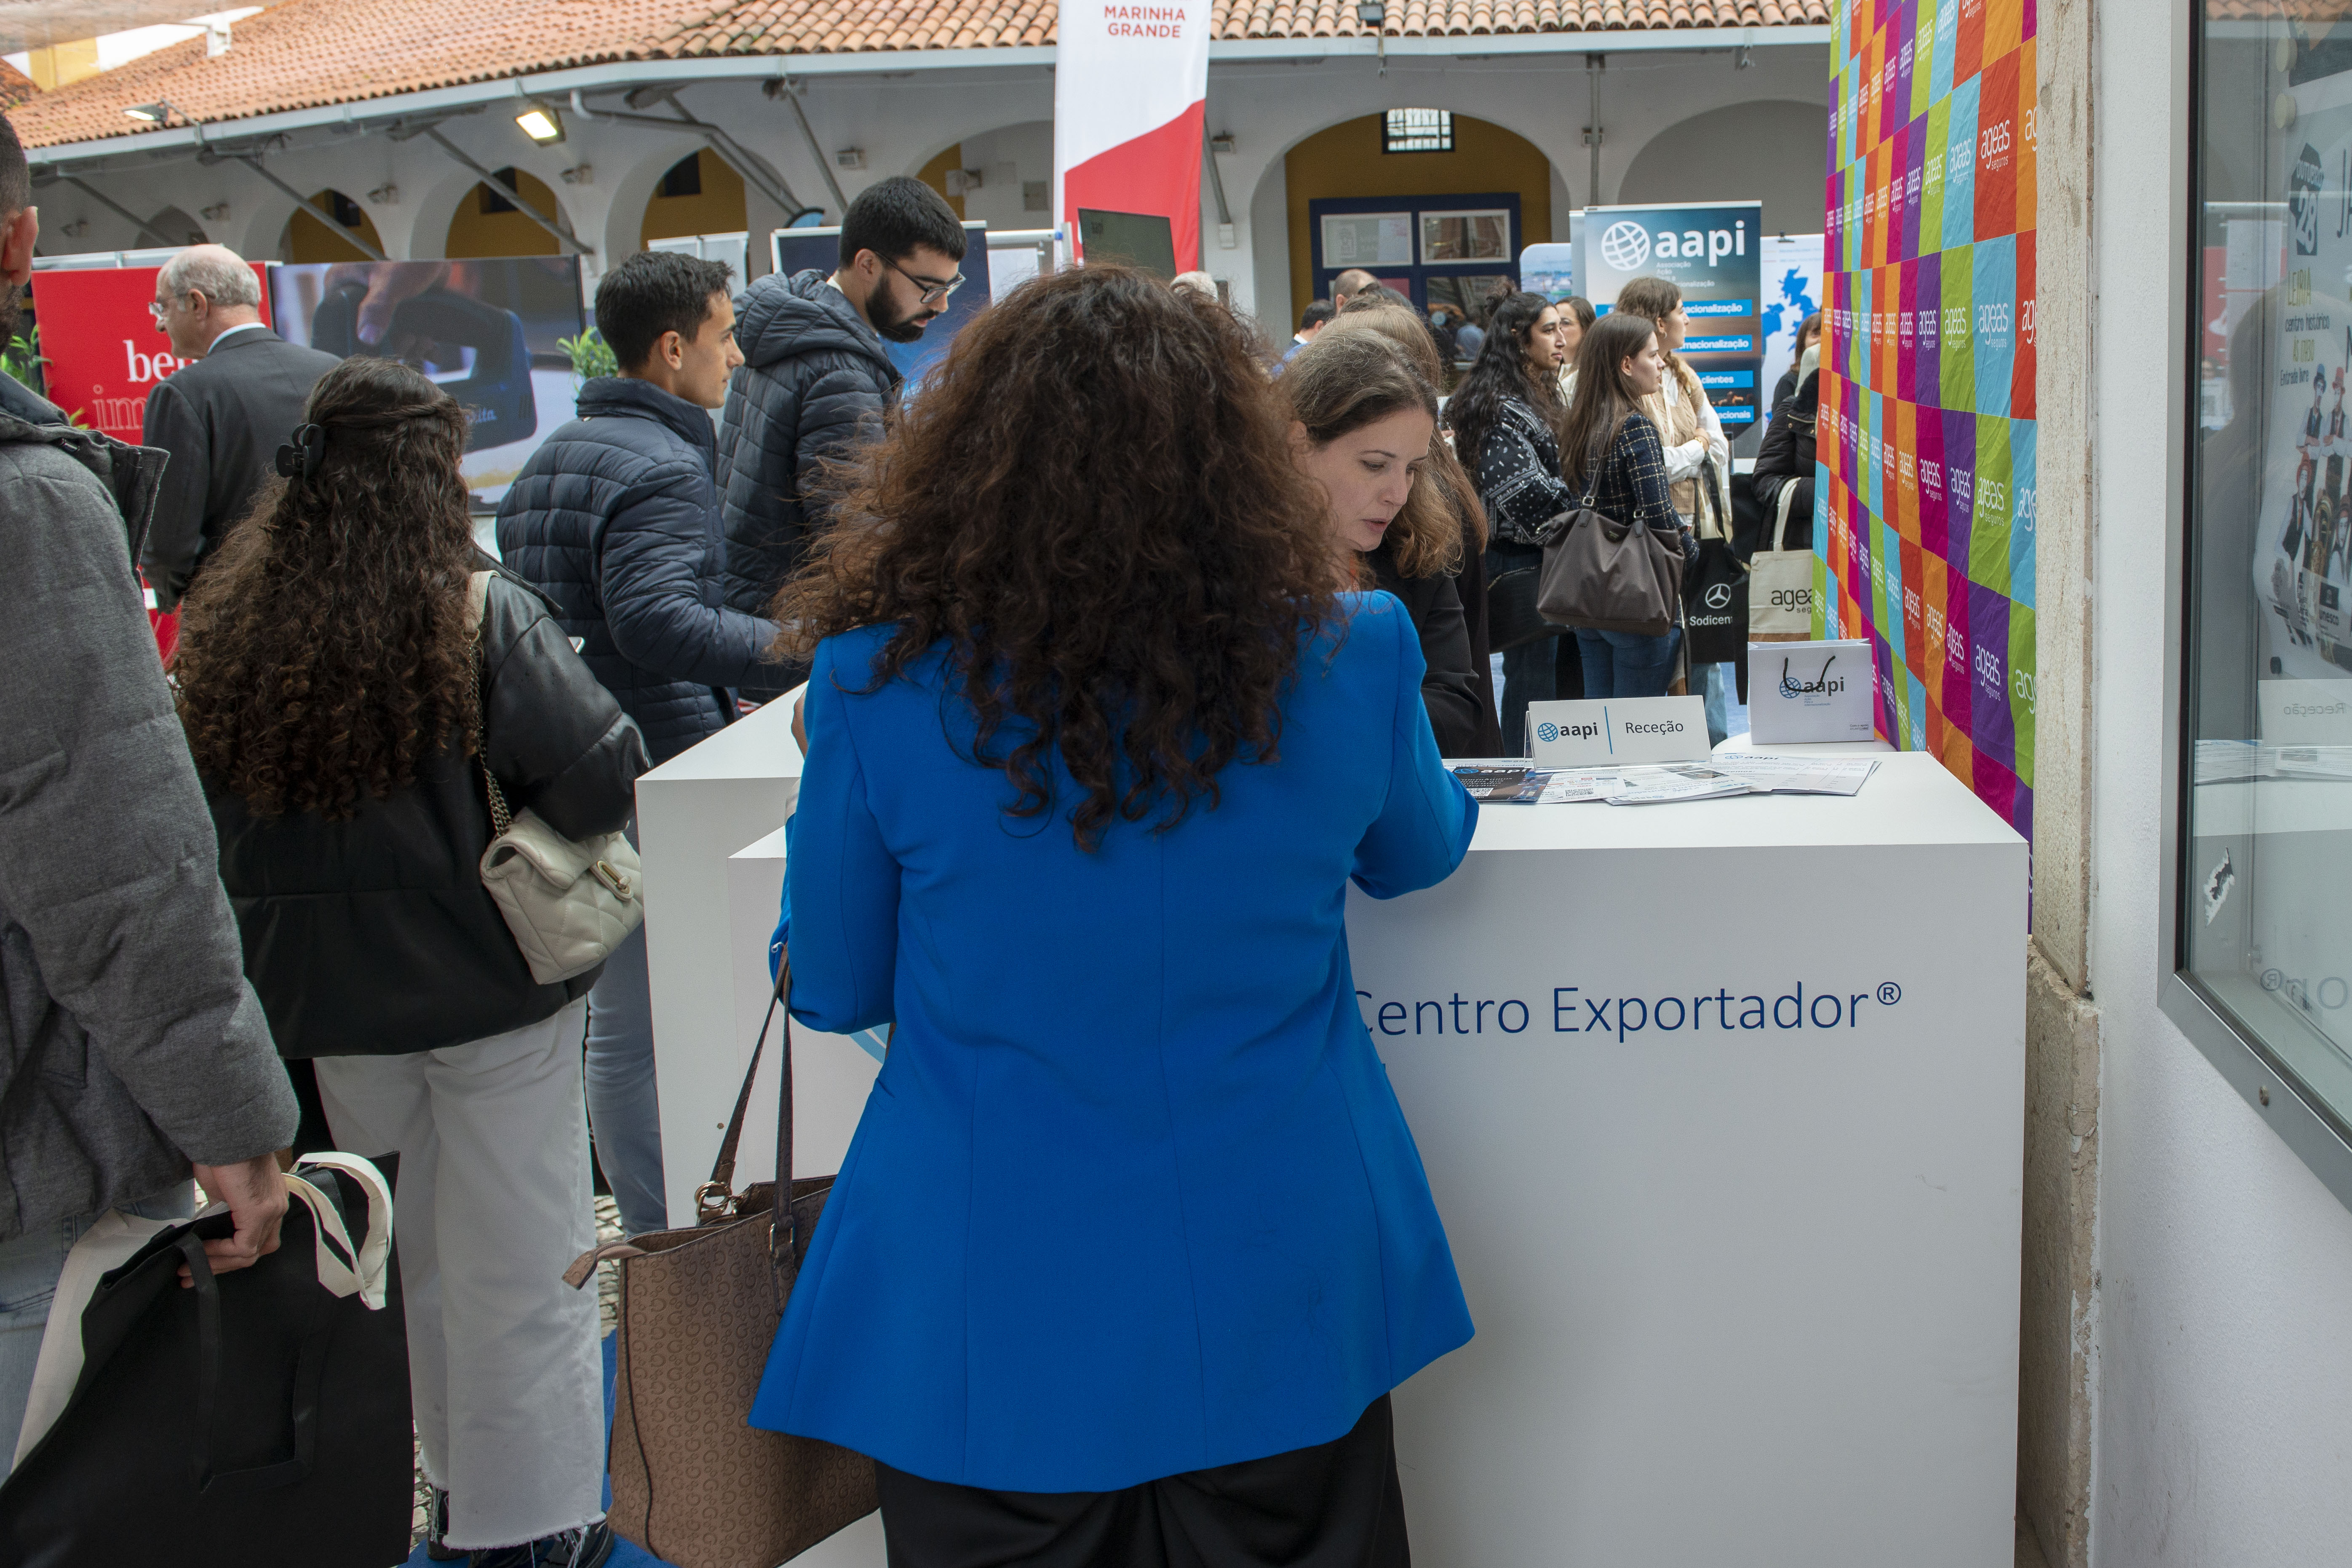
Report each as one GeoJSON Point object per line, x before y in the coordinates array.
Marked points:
{"type": "Point", "coordinates": [490, 330]}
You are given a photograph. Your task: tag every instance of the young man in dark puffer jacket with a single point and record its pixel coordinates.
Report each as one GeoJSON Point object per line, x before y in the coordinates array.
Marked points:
{"type": "Point", "coordinates": [816, 380]}
{"type": "Point", "coordinates": [615, 519]}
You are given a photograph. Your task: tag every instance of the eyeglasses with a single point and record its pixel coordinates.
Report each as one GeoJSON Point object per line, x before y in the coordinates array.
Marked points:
{"type": "Point", "coordinates": [930, 293]}
{"type": "Point", "coordinates": [158, 308]}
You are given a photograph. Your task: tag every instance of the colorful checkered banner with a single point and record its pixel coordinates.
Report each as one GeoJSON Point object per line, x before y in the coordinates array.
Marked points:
{"type": "Point", "coordinates": [1924, 496]}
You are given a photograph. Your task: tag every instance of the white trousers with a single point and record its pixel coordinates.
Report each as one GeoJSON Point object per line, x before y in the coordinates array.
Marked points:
{"type": "Point", "coordinates": [495, 1200]}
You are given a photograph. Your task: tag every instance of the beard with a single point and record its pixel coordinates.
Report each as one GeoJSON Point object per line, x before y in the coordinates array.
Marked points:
{"type": "Point", "coordinates": [12, 314]}
{"type": "Point", "coordinates": [893, 328]}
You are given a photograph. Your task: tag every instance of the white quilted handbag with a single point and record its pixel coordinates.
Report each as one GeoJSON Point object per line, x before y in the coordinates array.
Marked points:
{"type": "Point", "coordinates": [568, 902]}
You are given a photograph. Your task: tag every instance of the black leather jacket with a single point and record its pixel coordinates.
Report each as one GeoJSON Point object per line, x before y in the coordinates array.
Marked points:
{"type": "Point", "coordinates": [374, 936]}
{"type": "Point", "coordinates": [1785, 457]}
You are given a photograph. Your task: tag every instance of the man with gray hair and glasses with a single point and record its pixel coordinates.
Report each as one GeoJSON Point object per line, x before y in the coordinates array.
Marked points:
{"type": "Point", "coordinates": [223, 416]}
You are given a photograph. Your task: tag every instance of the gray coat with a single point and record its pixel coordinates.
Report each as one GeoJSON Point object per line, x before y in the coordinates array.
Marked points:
{"type": "Point", "coordinates": [130, 1043]}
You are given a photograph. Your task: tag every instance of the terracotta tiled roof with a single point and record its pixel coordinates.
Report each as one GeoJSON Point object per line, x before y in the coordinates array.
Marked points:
{"type": "Point", "coordinates": [16, 87]}
{"type": "Point", "coordinates": [304, 54]}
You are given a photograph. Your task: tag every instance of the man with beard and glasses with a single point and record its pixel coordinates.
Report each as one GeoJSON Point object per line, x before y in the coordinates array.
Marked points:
{"type": "Point", "coordinates": [132, 1053]}
{"type": "Point", "coordinates": [816, 380]}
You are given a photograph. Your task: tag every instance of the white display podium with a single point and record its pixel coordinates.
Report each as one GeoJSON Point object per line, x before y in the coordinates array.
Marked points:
{"type": "Point", "coordinates": [1744, 1295]}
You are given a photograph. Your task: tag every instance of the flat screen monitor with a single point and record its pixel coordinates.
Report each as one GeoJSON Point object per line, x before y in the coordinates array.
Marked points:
{"type": "Point", "coordinates": [1141, 240]}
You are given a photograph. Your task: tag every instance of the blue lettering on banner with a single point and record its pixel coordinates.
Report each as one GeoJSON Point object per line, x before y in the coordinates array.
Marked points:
{"type": "Point", "coordinates": [1741, 344]}
{"type": "Point", "coordinates": [1700, 307]}
{"type": "Point", "coordinates": [1735, 415]}
{"type": "Point", "coordinates": [1720, 378]}
{"type": "Point", "coordinates": [1576, 1010]}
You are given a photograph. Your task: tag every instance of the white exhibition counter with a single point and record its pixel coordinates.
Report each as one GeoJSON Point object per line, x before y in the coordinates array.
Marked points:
{"type": "Point", "coordinates": [1723, 1105]}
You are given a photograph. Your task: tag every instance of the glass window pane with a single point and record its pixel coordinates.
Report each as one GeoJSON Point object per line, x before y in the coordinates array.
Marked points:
{"type": "Point", "coordinates": [2267, 857]}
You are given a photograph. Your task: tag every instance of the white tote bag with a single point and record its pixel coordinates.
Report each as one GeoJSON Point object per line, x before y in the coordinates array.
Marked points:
{"type": "Point", "coordinates": [1780, 584]}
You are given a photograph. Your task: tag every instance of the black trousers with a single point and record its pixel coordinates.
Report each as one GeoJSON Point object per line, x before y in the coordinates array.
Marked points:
{"type": "Point", "coordinates": [1335, 1505]}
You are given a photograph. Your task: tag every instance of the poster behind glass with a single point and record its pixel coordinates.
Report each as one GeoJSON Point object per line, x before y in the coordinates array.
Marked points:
{"type": "Point", "coordinates": [2270, 561]}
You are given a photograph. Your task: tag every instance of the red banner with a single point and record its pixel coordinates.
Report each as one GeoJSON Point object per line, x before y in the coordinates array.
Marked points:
{"type": "Point", "coordinates": [104, 349]}
{"type": "Point", "coordinates": [105, 352]}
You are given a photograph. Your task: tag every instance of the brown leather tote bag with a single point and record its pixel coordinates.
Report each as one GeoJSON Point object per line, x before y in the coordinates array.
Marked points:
{"type": "Point", "coordinates": [1608, 576]}
{"type": "Point", "coordinates": [692, 1483]}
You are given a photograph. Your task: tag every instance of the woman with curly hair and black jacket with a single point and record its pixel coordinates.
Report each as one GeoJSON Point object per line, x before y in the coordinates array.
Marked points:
{"type": "Point", "coordinates": [1095, 743]}
{"type": "Point", "coordinates": [349, 668]}
{"type": "Point", "coordinates": [1505, 416]}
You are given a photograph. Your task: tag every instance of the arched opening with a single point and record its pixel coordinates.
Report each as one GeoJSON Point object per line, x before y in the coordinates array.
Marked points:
{"type": "Point", "coordinates": [1004, 178]}
{"type": "Point", "coordinates": [699, 193]}
{"type": "Point", "coordinates": [1442, 218]}
{"type": "Point", "coordinates": [1768, 151]}
{"type": "Point", "coordinates": [176, 226]}
{"type": "Point", "coordinates": [308, 239]}
{"type": "Point", "coordinates": [486, 224]}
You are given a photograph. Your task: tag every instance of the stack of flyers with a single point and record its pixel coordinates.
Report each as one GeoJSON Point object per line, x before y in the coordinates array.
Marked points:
{"type": "Point", "coordinates": [1516, 784]}
{"type": "Point", "coordinates": [1800, 775]}
{"type": "Point", "coordinates": [1676, 781]}
{"type": "Point", "coordinates": [1500, 782]}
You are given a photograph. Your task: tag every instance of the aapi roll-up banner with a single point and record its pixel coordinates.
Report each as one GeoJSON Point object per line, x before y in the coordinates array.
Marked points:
{"type": "Point", "coordinates": [1924, 502]}
{"type": "Point", "coordinates": [1130, 96]}
{"type": "Point", "coordinates": [1712, 254]}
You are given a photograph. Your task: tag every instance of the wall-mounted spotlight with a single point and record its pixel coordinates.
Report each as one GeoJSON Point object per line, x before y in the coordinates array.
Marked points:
{"type": "Point", "coordinates": [154, 113]}
{"type": "Point", "coordinates": [541, 122]}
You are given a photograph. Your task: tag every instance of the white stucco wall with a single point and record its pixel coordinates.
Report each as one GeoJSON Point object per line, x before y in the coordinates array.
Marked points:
{"type": "Point", "coordinates": [2224, 1369]}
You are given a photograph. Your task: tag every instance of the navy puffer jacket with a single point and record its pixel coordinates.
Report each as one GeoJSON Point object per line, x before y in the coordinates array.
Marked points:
{"type": "Point", "coordinates": [815, 380]}
{"type": "Point", "coordinates": [615, 519]}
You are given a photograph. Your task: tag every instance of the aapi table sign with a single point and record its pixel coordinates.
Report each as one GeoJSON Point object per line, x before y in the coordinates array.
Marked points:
{"type": "Point", "coordinates": [1617, 731]}
{"type": "Point", "coordinates": [1802, 691]}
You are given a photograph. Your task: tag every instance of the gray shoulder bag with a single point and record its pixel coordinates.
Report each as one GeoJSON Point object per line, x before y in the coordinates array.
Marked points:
{"type": "Point", "coordinates": [1607, 576]}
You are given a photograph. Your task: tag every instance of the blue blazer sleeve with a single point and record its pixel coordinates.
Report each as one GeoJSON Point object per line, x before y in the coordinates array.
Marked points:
{"type": "Point", "coordinates": [1425, 826]}
{"type": "Point", "coordinates": [840, 878]}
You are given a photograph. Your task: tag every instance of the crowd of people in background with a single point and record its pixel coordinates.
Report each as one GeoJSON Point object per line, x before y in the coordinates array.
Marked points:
{"type": "Point", "coordinates": [355, 682]}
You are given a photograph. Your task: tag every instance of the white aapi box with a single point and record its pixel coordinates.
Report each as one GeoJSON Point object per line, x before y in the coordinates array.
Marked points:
{"type": "Point", "coordinates": [1800, 692]}
{"type": "Point", "coordinates": [1595, 734]}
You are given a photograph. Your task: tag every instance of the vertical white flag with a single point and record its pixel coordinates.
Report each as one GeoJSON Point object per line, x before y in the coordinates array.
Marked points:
{"type": "Point", "coordinates": [1130, 98]}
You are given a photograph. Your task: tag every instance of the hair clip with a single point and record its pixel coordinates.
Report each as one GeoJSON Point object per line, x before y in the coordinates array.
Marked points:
{"type": "Point", "coordinates": [299, 458]}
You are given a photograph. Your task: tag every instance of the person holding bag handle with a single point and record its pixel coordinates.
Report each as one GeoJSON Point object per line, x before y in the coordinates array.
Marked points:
{"type": "Point", "coordinates": [1780, 583]}
{"type": "Point", "coordinates": [1132, 1241]}
{"type": "Point", "coordinates": [334, 675]}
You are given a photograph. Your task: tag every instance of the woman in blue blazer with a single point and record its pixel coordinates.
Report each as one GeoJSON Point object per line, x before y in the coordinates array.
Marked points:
{"type": "Point", "coordinates": [1095, 745]}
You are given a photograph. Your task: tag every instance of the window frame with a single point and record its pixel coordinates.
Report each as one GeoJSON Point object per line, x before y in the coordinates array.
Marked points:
{"type": "Point", "coordinates": [1445, 131]}
{"type": "Point", "coordinates": [2318, 1135]}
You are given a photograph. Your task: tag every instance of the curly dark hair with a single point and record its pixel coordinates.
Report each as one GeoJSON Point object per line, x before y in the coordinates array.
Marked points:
{"type": "Point", "coordinates": [1092, 505]}
{"type": "Point", "coordinates": [327, 649]}
{"type": "Point", "coordinates": [1501, 373]}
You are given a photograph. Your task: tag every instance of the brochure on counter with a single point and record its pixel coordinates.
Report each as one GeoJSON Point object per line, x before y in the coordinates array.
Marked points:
{"type": "Point", "coordinates": [1501, 781]}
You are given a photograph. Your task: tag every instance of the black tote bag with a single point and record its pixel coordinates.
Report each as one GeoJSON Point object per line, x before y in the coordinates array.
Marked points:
{"type": "Point", "coordinates": [1714, 585]}
{"type": "Point", "coordinates": [253, 1418]}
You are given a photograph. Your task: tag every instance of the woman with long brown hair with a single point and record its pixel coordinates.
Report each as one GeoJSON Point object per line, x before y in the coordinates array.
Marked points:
{"type": "Point", "coordinates": [1363, 427]}
{"type": "Point", "coordinates": [349, 668]}
{"type": "Point", "coordinates": [1611, 460]}
{"type": "Point", "coordinates": [1444, 484]}
{"type": "Point", "coordinates": [1697, 455]}
{"type": "Point", "coordinates": [1094, 750]}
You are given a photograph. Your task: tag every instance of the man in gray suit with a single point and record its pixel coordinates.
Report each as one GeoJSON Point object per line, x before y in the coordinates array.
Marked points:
{"type": "Point", "coordinates": [222, 419]}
